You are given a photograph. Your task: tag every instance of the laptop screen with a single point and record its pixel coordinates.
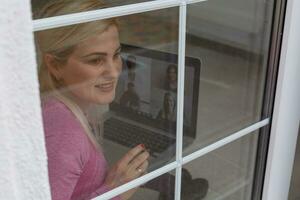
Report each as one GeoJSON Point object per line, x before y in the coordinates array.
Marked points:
{"type": "Point", "coordinates": [147, 89]}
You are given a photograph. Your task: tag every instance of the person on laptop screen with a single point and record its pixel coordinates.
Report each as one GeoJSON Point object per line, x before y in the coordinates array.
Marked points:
{"type": "Point", "coordinates": [79, 69]}
{"type": "Point", "coordinates": [168, 110]}
{"type": "Point", "coordinates": [130, 98]}
{"type": "Point", "coordinates": [171, 78]}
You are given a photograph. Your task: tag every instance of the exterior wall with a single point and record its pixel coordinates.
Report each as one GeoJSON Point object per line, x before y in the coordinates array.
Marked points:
{"type": "Point", "coordinates": [23, 162]}
{"type": "Point", "coordinates": [287, 110]}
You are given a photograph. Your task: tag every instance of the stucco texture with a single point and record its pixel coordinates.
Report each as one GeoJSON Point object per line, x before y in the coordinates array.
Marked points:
{"type": "Point", "coordinates": [23, 161]}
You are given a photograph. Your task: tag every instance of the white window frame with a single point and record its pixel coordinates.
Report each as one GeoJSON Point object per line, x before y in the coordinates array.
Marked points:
{"type": "Point", "coordinates": [58, 21]}
{"type": "Point", "coordinates": [13, 190]}
{"type": "Point", "coordinates": [286, 113]}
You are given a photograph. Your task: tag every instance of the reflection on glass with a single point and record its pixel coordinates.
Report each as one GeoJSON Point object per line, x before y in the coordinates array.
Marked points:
{"type": "Point", "coordinates": [107, 116]}
{"type": "Point", "coordinates": [228, 170]}
{"type": "Point", "coordinates": [144, 107]}
{"type": "Point", "coordinates": [37, 5]}
{"type": "Point", "coordinates": [156, 30]}
{"type": "Point", "coordinates": [160, 188]}
{"type": "Point", "coordinates": [231, 39]}
{"type": "Point", "coordinates": [143, 110]}
{"type": "Point", "coordinates": [163, 187]}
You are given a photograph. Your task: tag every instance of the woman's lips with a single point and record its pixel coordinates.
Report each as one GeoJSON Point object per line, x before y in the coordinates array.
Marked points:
{"type": "Point", "coordinates": [105, 87]}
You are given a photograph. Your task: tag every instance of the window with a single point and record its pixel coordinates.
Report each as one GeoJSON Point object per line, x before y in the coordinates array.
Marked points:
{"type": "Point", "coordinates": [184, 78]}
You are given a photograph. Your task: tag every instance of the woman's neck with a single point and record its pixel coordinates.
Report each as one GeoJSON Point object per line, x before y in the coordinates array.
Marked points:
{"type": "Point", "coordinates": [83, 105]}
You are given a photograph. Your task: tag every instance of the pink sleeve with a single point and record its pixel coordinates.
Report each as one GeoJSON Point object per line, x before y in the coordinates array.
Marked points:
{"type": "Point", "coordinates": [67, 151]}
{"type": "Point", "coordinates": [103, 190]}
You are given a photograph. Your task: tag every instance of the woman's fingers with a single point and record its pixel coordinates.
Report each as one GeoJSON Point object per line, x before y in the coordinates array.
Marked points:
{"type": "Point", "coordinates": [143, 168]}
{"type": "Point", "coordinates": [139, 160]}
{"type": "Point", "coordinates": [131, 166]}
{"type": "Point", "coordinates": [137, 172]}
{"type": "Point", "coordinates": [131, 154]}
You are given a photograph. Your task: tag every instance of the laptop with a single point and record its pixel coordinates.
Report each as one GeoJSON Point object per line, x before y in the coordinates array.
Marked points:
{"type": "Point", "coordinates": [144, 109]}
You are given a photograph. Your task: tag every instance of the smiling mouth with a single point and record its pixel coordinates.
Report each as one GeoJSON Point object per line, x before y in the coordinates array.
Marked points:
{"type": "Point", "coordinates": [105, 87]}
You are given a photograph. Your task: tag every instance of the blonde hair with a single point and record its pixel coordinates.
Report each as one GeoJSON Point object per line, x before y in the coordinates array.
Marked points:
{"type": "Point", "coordinates": [61, 42]}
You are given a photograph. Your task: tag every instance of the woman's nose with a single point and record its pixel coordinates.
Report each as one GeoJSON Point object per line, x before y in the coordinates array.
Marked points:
{"type": "Point", "coordinates": [113, 68]}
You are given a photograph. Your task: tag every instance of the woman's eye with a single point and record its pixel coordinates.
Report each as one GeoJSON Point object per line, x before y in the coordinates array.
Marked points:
{"type": "Point", "coordinates": [117, 55]}
{"type": "Point", "coordinates": [95, 61]}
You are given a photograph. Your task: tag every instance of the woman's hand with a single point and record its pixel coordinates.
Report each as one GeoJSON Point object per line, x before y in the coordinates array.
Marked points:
{"type": "Point", "coordinates": [131, 166]}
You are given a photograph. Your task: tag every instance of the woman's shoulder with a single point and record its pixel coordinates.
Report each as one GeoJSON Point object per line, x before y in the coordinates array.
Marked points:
{"type": "Point", "coordinates": [52, 104]}
{"type": "Point", "coordinates": [54, 109]}
{"type": "Point", "coordinates": [57, 118]}
{"type": "Point", "coordinates": [63, 131]}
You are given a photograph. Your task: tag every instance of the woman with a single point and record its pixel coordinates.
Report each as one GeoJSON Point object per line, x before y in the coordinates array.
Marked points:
{"type": "Point", "coordinates": [168, 111]}
{"type": "Point", "coordinates": [79, 68]}
{"type": "Point", "coordinates": [171, 78]}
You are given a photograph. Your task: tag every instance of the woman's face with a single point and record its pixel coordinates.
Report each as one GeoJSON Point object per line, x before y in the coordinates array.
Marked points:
{"type": "Point", "coordinates": [92, 70]}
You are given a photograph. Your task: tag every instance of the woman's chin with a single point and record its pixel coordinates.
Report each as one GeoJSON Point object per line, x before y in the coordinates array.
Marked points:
{"type": "Point", "coordinates": [105, 99]}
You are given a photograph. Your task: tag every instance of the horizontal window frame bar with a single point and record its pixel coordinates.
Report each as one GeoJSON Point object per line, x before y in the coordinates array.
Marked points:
{"type": "Point", "coordinates": [222, 142]}
{"type": "Point", "coordinates": [171, 166]}
{"type": "Point", "coordinates": [105, 13]}
{"type": "Point", "coordinates": [194, 1]}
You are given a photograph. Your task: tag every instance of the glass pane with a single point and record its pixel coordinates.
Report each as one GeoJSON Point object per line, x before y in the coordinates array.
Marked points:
{"type": "Point", "coordinates": [146, 66]}
{"type": "Point", "coordinates": [226, 172]}
{"type": "Point", "coordinates": [74, 6]}
{"type": "Point", "coordinates": [161, 188]}
{"type": "Point", "coordinates": [227, 50]}
{"type": "Point", "coordinates": [102, 95]}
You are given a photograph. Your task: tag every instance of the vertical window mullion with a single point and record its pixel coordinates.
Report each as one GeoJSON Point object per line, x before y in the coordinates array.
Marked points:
{"type": "Point", "coordinates": [180, 96]}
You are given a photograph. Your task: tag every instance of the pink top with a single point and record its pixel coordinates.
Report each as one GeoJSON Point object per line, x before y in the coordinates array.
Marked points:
{"type": "Point", "coordinates": [76, 169]}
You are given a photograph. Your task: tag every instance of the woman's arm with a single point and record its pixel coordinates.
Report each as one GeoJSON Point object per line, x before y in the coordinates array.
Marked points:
{"type": "Point", "coordinates": [65, 149]}
{"type": "Point", "coordinates": [64, 168]}
{"type": "Point", "coordinates": [68, 155]}
{"type": "Point", "coordinates": [69, 151]}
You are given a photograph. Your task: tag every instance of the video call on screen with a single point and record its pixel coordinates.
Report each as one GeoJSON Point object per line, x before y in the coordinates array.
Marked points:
{"type": "Point", "coordinates": [143, 86]}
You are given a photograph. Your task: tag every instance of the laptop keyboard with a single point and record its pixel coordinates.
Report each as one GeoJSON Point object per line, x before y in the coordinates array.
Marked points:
{"type": "Point", "coordinates": [131, 135]}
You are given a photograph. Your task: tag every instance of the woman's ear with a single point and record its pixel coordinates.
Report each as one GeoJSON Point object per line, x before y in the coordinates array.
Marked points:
{"type": "Point", "coordinates": [53, 66]}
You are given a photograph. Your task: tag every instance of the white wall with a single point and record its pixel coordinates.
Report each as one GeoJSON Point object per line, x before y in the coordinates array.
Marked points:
{"type": "Point", "coordinates": [23, 164]}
